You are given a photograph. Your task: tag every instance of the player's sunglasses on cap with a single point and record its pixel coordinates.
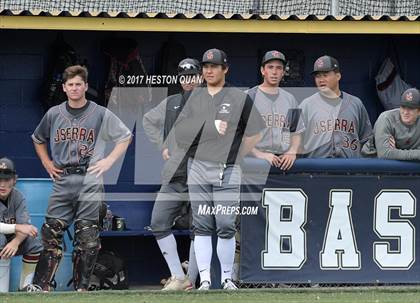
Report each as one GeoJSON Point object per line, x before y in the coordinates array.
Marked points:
{"type": "Point", "coordinates": [411, 98]}
{"type": "Point", "coordinates": [189, 67]}
{"type": "Point", "coordinates": [273, 55]}
{"type": "Point", "coordinates": [325, 64]}
{"type": "Point", "coordinates": [215, 56]}
{"type": "Point", "coordinates": [7, 168]}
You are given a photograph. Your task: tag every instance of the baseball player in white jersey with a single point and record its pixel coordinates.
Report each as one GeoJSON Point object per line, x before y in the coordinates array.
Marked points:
{"type": "Point", "coordinates": [279, 110]}
{"type": "Point", "coordinates": [397, 131]}
{"type": "Point", "coordinates": [76, 131]}
{"type": "Point", "coordinates": [336, 123]}
{"type": "Point", "coordinates": [17, 235]}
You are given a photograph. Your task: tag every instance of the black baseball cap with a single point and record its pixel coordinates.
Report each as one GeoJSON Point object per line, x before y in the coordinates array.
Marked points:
{"type": "Point", "coordinates": [189, 66]}
{"type": "Point", "coordinates": [273, 55]}
{"type": "Point", "coordinates": [326, 64]}
{"type": "Point", "coordinates": [7, 169]}
{"type": "Point", "coordinates": [215, 56]}
{"type": "Point", "coordinates": [411, 98]}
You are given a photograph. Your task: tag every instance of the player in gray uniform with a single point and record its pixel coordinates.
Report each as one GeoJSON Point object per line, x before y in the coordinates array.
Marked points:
{"type": "Point", "coordinates": [279, 110]}
{"type": "Point", "coordinates": [397, 131]}
{"type": "Point", "coordinates": [77, 131]}
{"type": "Point", "coordinates": [218, 126]}
{"type": "Point", "coordinates": [337, 123]}
{"type": "Point", "coordinates": [17, 235]}
{"type": "Point", "coordinates": [172, 199]}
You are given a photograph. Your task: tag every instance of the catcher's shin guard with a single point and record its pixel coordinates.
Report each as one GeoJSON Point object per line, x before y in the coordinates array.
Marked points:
{"type": "Point", "coordinates": [87, 245]}
{"type": "Point", "coordinates": [52, 237]}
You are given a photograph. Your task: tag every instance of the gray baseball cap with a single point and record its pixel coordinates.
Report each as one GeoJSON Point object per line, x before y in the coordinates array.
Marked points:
{"type": "Point", "coordinates": [273, 55]}
{"type": "Point", "coordinates": [326, 64]}
{"type": "Point", "coordinates": [411, 98]}
{"type": "Point", "coordinates": [7, 169]}
{"type": "Point", "coordinates": [215, 56]}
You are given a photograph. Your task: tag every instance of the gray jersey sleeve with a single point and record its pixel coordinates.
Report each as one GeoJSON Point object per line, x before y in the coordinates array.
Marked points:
{"type": "Point", "coordinates": [365, 127]}
{"type": "Point", "coordinates": [385, 128]}
{"type": "Point", "coordinates": [42, 131]}
{"type": "Point", "coordinates": [113, 129]}
{"type": "Point", "coordinates": [153, 123]}
{"type": "Point", "coordinates": [19, 204]}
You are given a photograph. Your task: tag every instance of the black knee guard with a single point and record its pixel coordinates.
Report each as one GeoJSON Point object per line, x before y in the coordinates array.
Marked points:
{"type": "Point", "coordinates": [52, 237]}
{"type": "Point", "coordinates": [87, 244]}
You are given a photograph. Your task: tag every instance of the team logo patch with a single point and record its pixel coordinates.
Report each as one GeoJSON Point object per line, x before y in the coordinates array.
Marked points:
{"type": "Point", "coordinates": [3, 165]}
{"type": "Point", "coordinates": [210, 55]}
{"type": "Point", "coordinates": [409, 96]}
{"type": "Point", "coordinates": [275, 54]}
{"type": "Point", "coordinates": [319, 63]}
{"type": "Point", "coordinates": [224, 108]}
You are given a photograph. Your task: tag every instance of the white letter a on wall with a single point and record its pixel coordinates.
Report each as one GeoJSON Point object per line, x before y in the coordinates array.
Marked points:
{"type": "Point", "coordinates": [339, 250]}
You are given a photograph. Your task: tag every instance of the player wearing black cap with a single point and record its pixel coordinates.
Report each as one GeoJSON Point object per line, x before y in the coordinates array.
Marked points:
{"type": "Point", "coordinates": [397, 131]}
{"type": "Point", "coordinates": [336, 123]}
{"type": "Point", "coordinates": [17, 236]}
{"type": "Point", "coordinates": [279, 110]}
{"type": "Point", "coordinates": [217, 126]}
{"type": "Point", "coordinates": [172, 198]}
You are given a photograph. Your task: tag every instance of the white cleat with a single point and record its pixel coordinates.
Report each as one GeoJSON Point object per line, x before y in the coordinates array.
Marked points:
{"type": "Point", "coordinates": [229, 285]}
{"type": "Point", "coordinates": [205, 285]}
{"type": "Point", "coordinates": [177, 284]}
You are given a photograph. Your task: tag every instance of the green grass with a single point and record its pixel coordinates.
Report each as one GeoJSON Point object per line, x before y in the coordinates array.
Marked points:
{"type": "Point", "coordinates": [329, 295]}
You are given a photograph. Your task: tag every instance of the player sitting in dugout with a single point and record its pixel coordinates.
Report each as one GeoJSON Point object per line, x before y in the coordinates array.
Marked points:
{"type": "Point", "coordinates": [17, 236]}
{"type": "Point", "coordinates": [336, 123]}
{"type": "Point", "coordinates": [279, 110]}
{"type": "Point", "coordinates": [397, 131]}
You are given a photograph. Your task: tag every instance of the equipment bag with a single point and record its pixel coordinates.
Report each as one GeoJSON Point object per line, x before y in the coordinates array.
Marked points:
{"type": "Point", "coordinates": [109, 272]}
{"type": "Point", "coordinates": [389, 85]}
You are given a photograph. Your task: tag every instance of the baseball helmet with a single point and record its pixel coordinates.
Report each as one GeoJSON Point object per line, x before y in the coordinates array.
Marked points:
{"type": "Point", "coordinates": [189, 66]}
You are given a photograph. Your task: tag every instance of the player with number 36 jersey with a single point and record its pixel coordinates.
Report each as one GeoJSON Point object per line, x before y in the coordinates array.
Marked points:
{"type": "Point", "coordinates": [337, 123]}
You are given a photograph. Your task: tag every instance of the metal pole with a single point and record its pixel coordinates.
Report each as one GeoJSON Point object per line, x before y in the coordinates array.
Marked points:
{"type": "Point", "coordinates": [334, 7]}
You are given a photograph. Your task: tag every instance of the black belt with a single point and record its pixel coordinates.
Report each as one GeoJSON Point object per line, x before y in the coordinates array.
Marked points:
{"type": "Point", "coordinates": [77, 170]}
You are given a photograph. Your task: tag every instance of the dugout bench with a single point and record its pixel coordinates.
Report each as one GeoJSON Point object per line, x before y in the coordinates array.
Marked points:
{"type": "Point", "coordinates": [136, 245]}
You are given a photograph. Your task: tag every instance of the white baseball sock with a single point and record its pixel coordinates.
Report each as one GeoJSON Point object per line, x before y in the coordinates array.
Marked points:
{"type": "Point", "coordinates": [169, 251]}
{"type": "Point", "coordinates": [192, 265]}
{"type": "Point", "coordinates": [226, 254]}
{"type": "Point", "coordinates": [203, 252]}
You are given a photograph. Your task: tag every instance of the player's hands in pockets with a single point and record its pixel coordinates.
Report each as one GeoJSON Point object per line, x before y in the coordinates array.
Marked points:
{"type": "Point", "coordinates": [53, 171]}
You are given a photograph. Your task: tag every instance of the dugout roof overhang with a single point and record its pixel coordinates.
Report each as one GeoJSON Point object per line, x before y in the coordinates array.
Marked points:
{"type": "Point", "coordinates": [215, 23]}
